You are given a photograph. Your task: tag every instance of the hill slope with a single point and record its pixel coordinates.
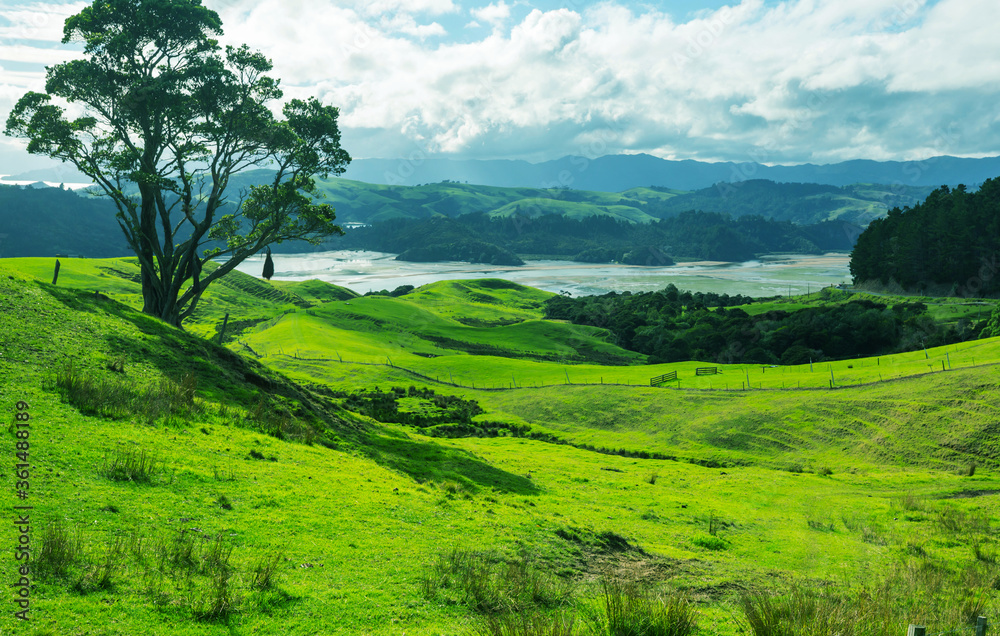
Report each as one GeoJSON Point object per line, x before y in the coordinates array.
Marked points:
{"type": "Point", "coordinates": [273, 506]}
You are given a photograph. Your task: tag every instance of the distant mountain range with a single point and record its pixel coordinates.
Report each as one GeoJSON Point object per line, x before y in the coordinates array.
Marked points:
{"type": "Point", "coordinates": [804, 204]}
{"type": "Point", "coordinates": [616, 173]}
{"type": "Point", "coordinates": [47, 221]}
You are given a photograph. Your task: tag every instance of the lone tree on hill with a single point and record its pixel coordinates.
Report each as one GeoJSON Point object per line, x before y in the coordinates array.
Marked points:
{"type": "Point", "coordinates": [161, 117]}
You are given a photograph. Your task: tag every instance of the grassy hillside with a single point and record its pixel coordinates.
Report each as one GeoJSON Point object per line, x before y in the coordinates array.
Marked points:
{"type": "Point", "coordinates": [536, 207]}
{"type": "Point", "coordinates": [802, 203]}
{"type": "Point", "coordinates": [273, 505]}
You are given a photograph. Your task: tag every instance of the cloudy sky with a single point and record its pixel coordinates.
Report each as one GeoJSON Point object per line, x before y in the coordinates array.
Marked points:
{"type": "Point", "coordinates": [772, 81]}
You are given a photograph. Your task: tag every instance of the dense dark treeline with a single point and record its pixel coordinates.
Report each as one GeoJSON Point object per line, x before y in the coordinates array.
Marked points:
{"type": "Point", "coordinates": [51, 221]}
{"type": "Point", "coordinates": [674, 326]}
{"type": "Point", "coordinates": [947, 244]}
{"type": "Point", "coordinates": [700, 235]}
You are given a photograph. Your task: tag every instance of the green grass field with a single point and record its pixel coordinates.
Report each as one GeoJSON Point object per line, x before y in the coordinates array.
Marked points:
{"type": "Point", "coordinates": [889, 478]}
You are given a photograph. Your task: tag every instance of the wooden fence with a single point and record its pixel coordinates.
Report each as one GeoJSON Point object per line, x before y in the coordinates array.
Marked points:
{"type": "Point", "coordinates": [660, 379]}
{"type": "Point", "coordinates": [920, 630]}
{"type": "Point", "coordinates": [706, 371]}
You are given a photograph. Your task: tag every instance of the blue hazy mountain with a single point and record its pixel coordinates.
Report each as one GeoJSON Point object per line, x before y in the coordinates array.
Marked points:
{"type": "Point", "coordinates": [616, 173]}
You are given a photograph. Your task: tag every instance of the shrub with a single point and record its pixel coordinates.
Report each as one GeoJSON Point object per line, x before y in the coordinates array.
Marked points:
{"type": "Point", "coordinates": [710, 542]}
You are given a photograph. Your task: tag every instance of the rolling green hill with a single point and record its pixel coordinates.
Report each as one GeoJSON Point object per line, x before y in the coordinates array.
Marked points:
{"type": "Point", "coordinates": [802, 203]}
{"type": "Point", "coordinates": [276, 503]}
{"type": "Point", "coordinates": [63, 222]}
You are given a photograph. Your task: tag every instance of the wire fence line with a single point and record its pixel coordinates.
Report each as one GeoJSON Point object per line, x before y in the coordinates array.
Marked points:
{"type": "Point", "coordinates": [513, 385]}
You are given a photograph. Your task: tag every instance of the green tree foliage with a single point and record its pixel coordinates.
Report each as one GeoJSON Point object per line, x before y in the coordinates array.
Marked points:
{"type": "Point", "coordinates": [161, 117]}
{"type": "Point", "coordinates": [268, 266]}
{"type": "Point", "coordinates": [992, 328]}
{"type": "Point", "coordinates": [949, 243]}
{"type": "Point", "coordinates": [674, 326]}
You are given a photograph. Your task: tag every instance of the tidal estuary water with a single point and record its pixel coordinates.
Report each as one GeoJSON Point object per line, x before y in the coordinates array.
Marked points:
{"type": "Point", "coordinates": [367, 271]}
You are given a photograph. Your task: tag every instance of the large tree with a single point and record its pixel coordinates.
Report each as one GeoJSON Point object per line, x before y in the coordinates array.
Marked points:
{"type": "Point", "coordinates": [161, 118]}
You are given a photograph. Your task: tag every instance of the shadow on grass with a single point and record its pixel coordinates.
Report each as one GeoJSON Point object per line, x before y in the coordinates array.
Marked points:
{"type": "Point", "coordinates": [225, 376]}
{"type": "Point", "coordinates": [221, 374]}
{"type": "Point", "coordinates": [429, 461]}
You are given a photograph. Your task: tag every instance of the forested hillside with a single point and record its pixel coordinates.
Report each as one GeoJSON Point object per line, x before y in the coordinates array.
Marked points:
{"type": "Point", "coordinates": [51, 221]}
{"type": "Point", "coordinates": [802, 203]}
{"type": "Point", "coordinates": [671, 326]}
{"type": "Point", "coordinates": [453, 221]}
{"type": "Point", "coordinates": [601, 239]}
{"type": "Point", "coordinates": [947, 244]}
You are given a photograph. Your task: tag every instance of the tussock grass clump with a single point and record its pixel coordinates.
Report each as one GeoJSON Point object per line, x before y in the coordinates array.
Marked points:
{"type": "Point", "coordinates": [983, 552]}
{"type": "Point", "coordinates": [629, 609]}
{"type": "Point", "coordinates": [265, 572]}
{"type": "Point", "coordinates": [122, 398]}
{"type": "Point", "coordinates": [821, 524]}
{"type": "Point", "coordinates": [909, 501]}
{"type": "Point", "coordinates": [958, 521]}
{"type": "Point", "coordinates": [917, 593]}
{"type": "Point", "coordinates": [967, 470]}
{"type": "Point", "coordinates": [98, 576]}
{"type": "Point", "coordinates": [129, 465]}
{"type": "Point", "coordinates": [60, 549]}
{"type": "Point", "coordinates": [218, 600]}
{"type": "Point", "coordinates": [487, 584]}
{"type": "Point", "coordinates": [810, 612]}
{"type": "Point", "coordinates": [532, 624]}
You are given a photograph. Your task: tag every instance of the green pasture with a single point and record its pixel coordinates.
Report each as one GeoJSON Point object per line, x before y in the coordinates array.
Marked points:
{"type": "Point", "coordinates": [889, 474]}
{"type": "Point", "coordinates": [575, 210]}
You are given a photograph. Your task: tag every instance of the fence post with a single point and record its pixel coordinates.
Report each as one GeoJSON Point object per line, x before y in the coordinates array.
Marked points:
{"type": "Point", "coordinates": [916, 630]}
{"type": "Point", "coordinates": [981, 626]}
{"type": "Point", "coordinates": [55, 275]}
{"type": "Point", "coordinates": [222, 332]}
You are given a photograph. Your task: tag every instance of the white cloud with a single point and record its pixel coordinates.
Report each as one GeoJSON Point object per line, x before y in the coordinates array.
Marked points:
{"type": "Point", "coordinates": [495, 14]}
{"type": "Point", "coordinates": [406, 24]}
{"type": "Point", "coordinates": [800, 80]}
{"type": "Point", "coordinates": [40, 21]}
{"type": "Point", "coordinates": [36, 55]}
{"type": "Point", "coordinates": [431, 7]}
